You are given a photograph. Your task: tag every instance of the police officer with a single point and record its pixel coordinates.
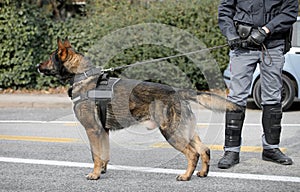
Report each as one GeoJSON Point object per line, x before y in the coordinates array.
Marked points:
{"type": "Point", "coordinates": [258, 31]}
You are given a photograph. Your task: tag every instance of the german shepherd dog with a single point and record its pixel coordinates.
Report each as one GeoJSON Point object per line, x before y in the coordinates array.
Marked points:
{"type": "Point", "coordinates": [152, 104]}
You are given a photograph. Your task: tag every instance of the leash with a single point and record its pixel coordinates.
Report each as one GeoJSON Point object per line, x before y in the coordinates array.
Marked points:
{"type": "Point", "coordinates": [163, 58]}
{"type": "Point", "coordinates": [102, 94]}
{"type": "Point", "coordinates": [265, 50]}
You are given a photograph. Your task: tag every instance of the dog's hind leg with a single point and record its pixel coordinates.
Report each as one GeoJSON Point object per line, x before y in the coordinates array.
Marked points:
{"type": "Point", "coordinates": [192, 158]}
{"type": "Point", "coordinates": [182, 144]}
{"type": "Point", "coordinates": [169, 121]}
{"type": "Point", "coordinates": [192, 150]}
{"type": "Point", "coordinates": [204, 153]}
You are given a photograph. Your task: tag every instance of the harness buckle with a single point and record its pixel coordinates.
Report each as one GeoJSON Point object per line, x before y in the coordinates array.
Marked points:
{"type": "Point", "coordinates": [85, 74]}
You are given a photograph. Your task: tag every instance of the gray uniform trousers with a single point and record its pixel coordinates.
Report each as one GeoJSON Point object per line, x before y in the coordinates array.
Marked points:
{"type": "Point", "coordinates": [242, 65]}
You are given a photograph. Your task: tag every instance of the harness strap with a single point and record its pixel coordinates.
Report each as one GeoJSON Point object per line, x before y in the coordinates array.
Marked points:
{"type": "Point", "coordinates": [79, 98]}
{"type": "Point", "coordinates": [102, 95]}
{"type": "Point", "coordinates": [88, 73]}
{"type": "Point", "coordinates": [102, 109]}
{"type": "Point", "coordinates": [104, 90]}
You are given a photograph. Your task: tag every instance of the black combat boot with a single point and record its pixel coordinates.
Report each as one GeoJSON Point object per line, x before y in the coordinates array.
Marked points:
{"type": "Point", "coordinates": [233, 131]}
{"type": "Point", "coordinates": [271, 121]}
{"type": "Point", "coordinates": [229, 159]}
{"type": "Point", "coordinates": [275, 155]}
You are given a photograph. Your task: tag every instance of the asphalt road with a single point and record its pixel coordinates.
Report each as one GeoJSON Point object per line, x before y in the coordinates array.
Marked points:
{"type": "Point", "coordinates": [45, 149]}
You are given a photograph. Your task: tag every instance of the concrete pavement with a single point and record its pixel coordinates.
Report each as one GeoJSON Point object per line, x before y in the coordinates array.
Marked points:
{"type": "Point", "coordinates": [35, 100]}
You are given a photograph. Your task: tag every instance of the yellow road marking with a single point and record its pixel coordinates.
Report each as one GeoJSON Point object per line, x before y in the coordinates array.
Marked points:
{"type": "Point", "coordinates": [217, 147]}
{"type": "Point", "coordinates": [71, 124]}
{"type": "Point", "coordinates": [38, 139]}
{"type": "Point", "coordinates": [155, 145]}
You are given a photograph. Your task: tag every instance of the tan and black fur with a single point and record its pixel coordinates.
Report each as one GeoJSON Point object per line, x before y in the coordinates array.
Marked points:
{"type": "Point", "coordinates": [152, 104]}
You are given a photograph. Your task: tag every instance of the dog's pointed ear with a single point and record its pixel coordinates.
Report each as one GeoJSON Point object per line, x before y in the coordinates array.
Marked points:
{"type": "Point", "coordinates": [62, 50]}
{"type": "Point", "coordinates": [67, 43]}
{"type": "Point", "coordinates": [60, 44]}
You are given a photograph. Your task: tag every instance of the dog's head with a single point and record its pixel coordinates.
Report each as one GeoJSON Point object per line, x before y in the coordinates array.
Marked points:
{"type": "Point", "coordinates": [60, 63]}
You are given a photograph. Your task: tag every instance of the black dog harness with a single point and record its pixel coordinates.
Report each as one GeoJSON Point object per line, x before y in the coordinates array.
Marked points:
{"type": "Point", "coordinates": [103, 90]}
{"type": "Point", "coordinates": [102, 94]}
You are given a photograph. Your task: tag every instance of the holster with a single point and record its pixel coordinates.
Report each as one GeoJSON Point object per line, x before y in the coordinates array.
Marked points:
{"type": "Point", "coordinates": [288, 40]}
{"type": "Point", "coordinates": [243, 30]}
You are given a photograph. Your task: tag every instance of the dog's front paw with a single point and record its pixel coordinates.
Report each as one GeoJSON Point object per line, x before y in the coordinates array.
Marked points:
{"type": "Point", "coordinates": [183, 178]}
{"type": "Point", "coordinates": [104, 167]}
{"type": "Point", "coordinates": [93, 176]}
{"type": "Point", "coordinates": [202, 174]}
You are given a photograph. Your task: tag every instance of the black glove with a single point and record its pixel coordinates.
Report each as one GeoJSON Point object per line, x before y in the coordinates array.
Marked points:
{"type": "Point", "coordinates": [257, 36]}
{"type": "Point", "coordinates": [234, 43]}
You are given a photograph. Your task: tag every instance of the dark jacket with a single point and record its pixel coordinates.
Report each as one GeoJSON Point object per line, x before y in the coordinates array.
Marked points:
{"type": "Point", "coordinates": [277, 15]}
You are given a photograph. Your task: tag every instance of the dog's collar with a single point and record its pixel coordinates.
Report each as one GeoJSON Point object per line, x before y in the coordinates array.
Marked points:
{"type": "Point", "coordinates": [89, 73]}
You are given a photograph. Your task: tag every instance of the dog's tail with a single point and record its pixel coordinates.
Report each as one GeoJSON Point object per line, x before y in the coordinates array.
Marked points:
{"type": "Point", "coordinates": [215, 102]}
{"type": "Point", "coordinates": [210, 101]}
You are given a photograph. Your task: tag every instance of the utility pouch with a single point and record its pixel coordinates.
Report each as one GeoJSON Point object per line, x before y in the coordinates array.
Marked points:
{"type": "Point", "coordinates": [243, 31]}
{"type": "Point", "coordinates": [288, 40]}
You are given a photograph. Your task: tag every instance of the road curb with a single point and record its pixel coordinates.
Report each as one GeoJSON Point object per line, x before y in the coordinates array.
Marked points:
{"type": "Point", "coordinates": [44, 101]}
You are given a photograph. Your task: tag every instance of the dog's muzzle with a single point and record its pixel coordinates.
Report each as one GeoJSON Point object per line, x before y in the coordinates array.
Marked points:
{"type": "Point", "coordinates": [38, 68]}
{"type": "Point", "coordinates": [46, 72]}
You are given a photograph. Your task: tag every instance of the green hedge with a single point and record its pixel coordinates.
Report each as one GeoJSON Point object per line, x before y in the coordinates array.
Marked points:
{"type": "Point", "coordinates": [28, 35]}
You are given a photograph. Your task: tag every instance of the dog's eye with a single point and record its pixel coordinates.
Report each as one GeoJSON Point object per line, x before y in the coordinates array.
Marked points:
{"type": "Point", "coordinates": [56, 57]}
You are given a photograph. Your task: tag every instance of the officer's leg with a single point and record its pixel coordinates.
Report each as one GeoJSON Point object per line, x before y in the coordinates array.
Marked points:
{"type": "Point", "coordinates": [243, 64]}
{"type": "Point", "coordinates": [233, 131]}
{"type": "Point", "coordinates": [271, 86]}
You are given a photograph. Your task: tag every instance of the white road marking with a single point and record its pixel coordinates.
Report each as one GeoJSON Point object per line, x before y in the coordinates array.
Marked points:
{"type": "Point", "coordinates": [152, 170]}
{"type": "Point", "coordinates": [77, 122]}
{"type": "Point", "coordinates": [247, 124]}
{"type": "Point", "coordinates": [36, 122]}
